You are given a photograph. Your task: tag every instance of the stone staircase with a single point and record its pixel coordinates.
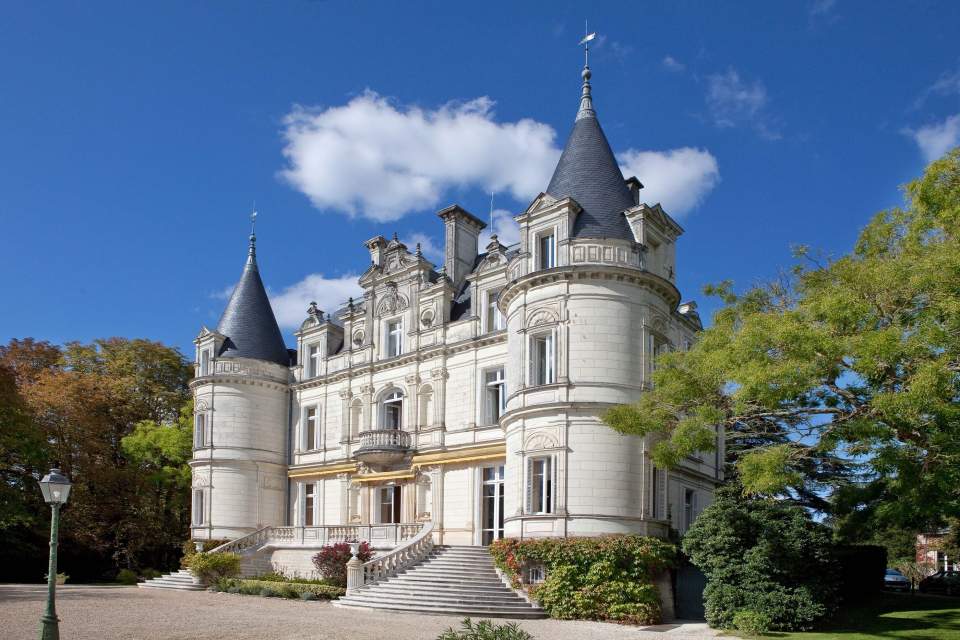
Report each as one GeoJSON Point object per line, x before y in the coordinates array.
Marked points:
{"type": "Point", "coordinates": [182, 580]}
{"type": "Point", "coordinates": [450, 581]}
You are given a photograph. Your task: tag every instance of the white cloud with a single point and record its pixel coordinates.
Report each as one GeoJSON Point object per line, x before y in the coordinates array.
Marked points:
{"type": "Point", "coordinates": [936, 139]}
{"type": "Point", "coordinates": [734, 102]}
{"type": "Point", "coordinates": [504, 226]}
{"type": "Point", "coordinates": [290, 305]}
{"type": "Point", "coordinates": [822, 7]}
{"type": "Point", "coordinates": [672, 64]}
{"type": "Point", "coordinates": [375, 159]}
{"type": "Point", "coordinates": [428, 246]}
{"type": "Point", "coordinates": [679, 178]}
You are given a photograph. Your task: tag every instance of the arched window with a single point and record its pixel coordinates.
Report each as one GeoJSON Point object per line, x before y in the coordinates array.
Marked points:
{"type": "Point", "coordinates": [391, 413]}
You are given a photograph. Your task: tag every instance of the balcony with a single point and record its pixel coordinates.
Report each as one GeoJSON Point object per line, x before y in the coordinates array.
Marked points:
{"type": "Point", "coordinates": [383, 446]}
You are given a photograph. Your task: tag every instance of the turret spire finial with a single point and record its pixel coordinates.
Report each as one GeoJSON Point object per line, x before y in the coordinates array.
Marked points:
{"type": "Point", "coordinates": [253, 230]}
{"type": "Point", "coordinates": [586, 100]}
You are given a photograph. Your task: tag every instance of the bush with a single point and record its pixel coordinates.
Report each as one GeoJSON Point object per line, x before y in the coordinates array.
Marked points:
{"type": "Point", "coordinates": [332, 560]}
{"type": "Point", "coordinates": [751, 622]}
{"type": "Point", "coordinates": [485, 630]}
{"type": "Point", "coordinates": [279, 577]}
{"type": "Point", "coordinates": [210, 567]}
{"type": "Point", "coordinates": [765, 557]}
{"type": "Point", "coordinates": [190, 549]}
{"type": "Point", "coordinates": [306, 595]}
{"type": "Point", "coordinates": [291, 590]}
{"type": "Point", "coordinates": [150, 574]}
{"type": "Point", "coordinates": [127, 576]}
{"type": "Point", "coordinates": [860, 570]}
{"type": "Point", "coordinates": [597, 578]}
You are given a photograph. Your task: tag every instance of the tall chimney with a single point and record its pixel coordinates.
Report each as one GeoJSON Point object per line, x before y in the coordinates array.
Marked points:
{"type": "Point", "coordinates": [462, 234]}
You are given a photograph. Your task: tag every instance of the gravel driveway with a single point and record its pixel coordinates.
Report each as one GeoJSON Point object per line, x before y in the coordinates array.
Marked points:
{"type": "Point", "coordinates": [106, 613]}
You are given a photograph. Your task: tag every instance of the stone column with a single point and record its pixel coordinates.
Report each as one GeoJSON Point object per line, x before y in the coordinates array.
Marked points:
{"type": "Point", "coordinates": [344, 479]}
{"type": "Point", "coordinates": [439, 377]}
{"type": "Point", "coordinates": [366, 392]}
{"type": "Point", "coordinates": [410, 406]}
{"type": "Point", "coordinates": [345, 396]}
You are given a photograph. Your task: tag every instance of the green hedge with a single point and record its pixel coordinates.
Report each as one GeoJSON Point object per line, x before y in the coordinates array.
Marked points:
{"type": "Point", "coordinates": [211, 567]}
{"type": "Point", "coordinates": [597, 578]}
{"type": "Point", "coordinates": [279, 589]}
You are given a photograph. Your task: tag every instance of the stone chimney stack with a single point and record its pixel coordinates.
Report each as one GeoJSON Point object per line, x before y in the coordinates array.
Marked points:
{"type": "Point", "coordinates": [377, 246]}
{"type": "Point", "coordinates": [462, 233]}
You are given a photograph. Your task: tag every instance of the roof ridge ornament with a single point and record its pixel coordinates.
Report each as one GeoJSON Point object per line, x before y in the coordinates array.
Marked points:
{"type": "Point", "coordinates": [253, 232]}
{"type": "Point", "coordinates": [586, 99]}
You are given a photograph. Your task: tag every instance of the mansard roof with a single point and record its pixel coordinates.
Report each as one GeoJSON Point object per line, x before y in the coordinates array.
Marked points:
{"type": "Point", "coordinates": [248, 321]}
{"type": "Point", "coordinates": [588, 173]}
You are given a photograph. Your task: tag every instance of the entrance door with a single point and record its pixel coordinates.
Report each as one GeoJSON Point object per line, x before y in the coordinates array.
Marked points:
{"type": "Point", "coordinates": [492, 504]}
{"type": "Point", "coordinates": [389, 505]}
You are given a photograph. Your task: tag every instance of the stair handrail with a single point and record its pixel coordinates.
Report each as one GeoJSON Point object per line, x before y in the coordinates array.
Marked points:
{"type": "Point", "coordinates": [241, 544]}
{"type": "Point", "coordinates": [399, 558]}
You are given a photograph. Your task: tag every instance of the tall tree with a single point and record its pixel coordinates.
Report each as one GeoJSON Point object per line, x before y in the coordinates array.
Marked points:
{"type": "Point", "coordinates": [855, 358]}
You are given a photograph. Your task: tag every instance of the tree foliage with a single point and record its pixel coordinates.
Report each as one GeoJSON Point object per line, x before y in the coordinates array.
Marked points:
{"type": "Point", "coordinates": [843, 366]}
{"type": "Point", "coordinates": [111, 415]}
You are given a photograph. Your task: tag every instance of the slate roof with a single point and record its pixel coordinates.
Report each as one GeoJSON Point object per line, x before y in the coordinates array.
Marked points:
{"type": "Point", "coordinates": [248, 321]}
{"type": "Point", "coordinates": [588, 172]}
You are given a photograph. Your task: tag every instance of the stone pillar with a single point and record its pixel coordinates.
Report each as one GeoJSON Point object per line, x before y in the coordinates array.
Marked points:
{"type": "Point", "coordinates": [410, 402]}
{"type": "Point", "coordinates": [439, 376]}
{"type": "Point", "coordinates": [366, 391]}
{"type": "Point", "coordinates": [345, 514]}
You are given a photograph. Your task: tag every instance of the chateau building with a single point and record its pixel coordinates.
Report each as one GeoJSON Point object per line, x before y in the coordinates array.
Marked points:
{"type": "Point", "coordinates": [467, 394]}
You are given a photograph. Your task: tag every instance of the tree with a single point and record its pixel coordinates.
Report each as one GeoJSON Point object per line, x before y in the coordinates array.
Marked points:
{"type": "Point", "coordinates": [854, 358]}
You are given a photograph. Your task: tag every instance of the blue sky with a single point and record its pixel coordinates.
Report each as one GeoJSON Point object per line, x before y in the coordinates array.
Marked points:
{"type": "Point", "coordinates": [136, 137]}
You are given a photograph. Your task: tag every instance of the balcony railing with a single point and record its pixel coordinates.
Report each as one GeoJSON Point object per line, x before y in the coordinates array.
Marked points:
{"type": "Point", "coordinates": [384, 439]}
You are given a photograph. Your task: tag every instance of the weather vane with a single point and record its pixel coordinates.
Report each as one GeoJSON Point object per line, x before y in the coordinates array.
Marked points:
{"type": "Point", "coordinates": [253, 218]}
{"type": "Point", "coordinates": [587, 38]}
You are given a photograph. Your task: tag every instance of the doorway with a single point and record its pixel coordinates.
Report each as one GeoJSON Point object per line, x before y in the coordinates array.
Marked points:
{"type": "Point", "coordinates": [491, 498]}
{"type": "Point", "coordinates": [389, 505]}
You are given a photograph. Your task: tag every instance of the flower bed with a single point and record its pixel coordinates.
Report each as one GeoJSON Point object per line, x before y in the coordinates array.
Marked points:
{"type": "Point", "coordinates": [279, 589]}
{"type": "Point", "coordinates": [597, 578]}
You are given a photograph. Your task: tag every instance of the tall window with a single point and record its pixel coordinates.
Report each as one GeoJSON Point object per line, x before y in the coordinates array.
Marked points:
{"type": "Point", "coordinates": [543, 352]}
{"type": "Point", "coordinates": [655, 511]}
{"type": "Point", "coordinates": [392, 411]}
{"type": "Point", "coordinates": [198, 507]}
{"type": "Point", "coordinates": [548, 250]}
{"type": "Point", "coordinates": [689, 500]}
{"type": "Point", "coordinates": [309, 504]}
{"type": "Point", "coordinates": [540, 485]}
{"type": "Point", "coordinates": [313, 361]}
{"type": "Point", "coordinates": [495, 319]}
{"type": "Point", "coordinates": [394, 338]}
{"type": "Point", "coordinates": [205, 362]}
{"type": "Point", "coordinates": [389, 505]}
{"type": "Point", "coordinates": [495, 395]}
{"type": "Point", "coordinates": [310, 431]}
{"type": "Point", "coordinates": [200, 430]}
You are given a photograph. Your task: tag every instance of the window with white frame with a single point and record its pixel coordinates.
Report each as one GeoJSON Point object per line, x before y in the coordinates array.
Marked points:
{"type": "Point", "coordinates": [689, 507]}
{"type": "Point", "coordinates": [494, 319]}
{"type": "Point", "coordinates": [205, 362]}
{"type": "Point", "coordinates": [199, 430]}
{"type": "Point", "coordinates": [313, 360]}
{"type": "Point", "coordinates": [394, 338]}
{"type": "Point", "coordinates": [309, 504]}
{"type": "Point", "coordinates": [543, 357]}
{"type": "Point", "coordinates": [391, 416]}
{"type": "Point", "coordinates": [536, 574]}
{"type": "Point", "coordinates": [389, 503]}
{"type": "Point", "coordinates": [540, 485]}
{"type": "Point", "coordinates": [494, 395]}
{"type": "Point", "coordinates": [656, 491]}
{"type": "Point", "coordinates": [547, 250]}
{"type": "Point", "coordinates": [311, 430]}
{"type": "Point", "coordinates": [199, 509]}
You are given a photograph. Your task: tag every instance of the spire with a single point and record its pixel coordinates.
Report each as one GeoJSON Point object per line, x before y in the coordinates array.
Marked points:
{"type": "Point", "coordinates": [248, 321]}
{"type": "Point", "coordinates": [588, 172]}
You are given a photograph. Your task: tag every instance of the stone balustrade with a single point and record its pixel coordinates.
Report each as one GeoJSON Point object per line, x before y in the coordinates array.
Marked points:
{"type": "Point", "coordinates": [385, 565]}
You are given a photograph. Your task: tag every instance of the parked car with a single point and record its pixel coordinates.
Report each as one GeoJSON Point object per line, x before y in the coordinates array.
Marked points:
{"type": "Point", "coordinates": [895, 581]}
{"type": "Point", "coordinates": [947, 582]}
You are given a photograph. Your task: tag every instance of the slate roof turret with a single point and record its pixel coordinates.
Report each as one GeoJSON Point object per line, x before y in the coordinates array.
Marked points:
{"type": "Point", "coordinates": [248, 322]}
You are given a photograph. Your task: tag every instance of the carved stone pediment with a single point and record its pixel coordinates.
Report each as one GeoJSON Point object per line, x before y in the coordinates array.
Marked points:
{"type": "Point", "coordinates": [392, 301]}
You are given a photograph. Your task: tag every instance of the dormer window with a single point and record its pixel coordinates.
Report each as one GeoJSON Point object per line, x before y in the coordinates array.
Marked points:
{"type": "Point", "coordinates": [547, 250]}
{"type": "Point", "coordinates": [313, 360]}
{"type": "Point", "coordinates": [205, 362]}
{"type": "Point", "coordinates": [495, 320]}
{"type": "Point", "coordinates": [394, 338]}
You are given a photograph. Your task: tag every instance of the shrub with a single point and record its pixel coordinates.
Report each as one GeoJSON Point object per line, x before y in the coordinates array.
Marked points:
{"type": "Point", "coordinates": [279, 577]}
{"type": "Point", "coordinates": [291, 590]}
{"type": "Point", "coordinates": [306, 595]}
{"type": "Point", "coordinates": [127, 576]}
{"type": "Point", "coordinates": [150, 574]}
{"type": "Point", "coordinates": [485, 630]}
{"type": "Point", "coordinates": [210, 567]}
{"type": "Point", "coordinates": [190, 549]}
{"type": "Point", "coordinates": [765, 557]}
{"type": "Point", "coordinates": [332, 560]}
{"type": "Point", "coordinates": [598, 578]}
{"type": "Point", "coordinates": [267, 592]}
{"type": "Point", "coordinates": [751, 622]}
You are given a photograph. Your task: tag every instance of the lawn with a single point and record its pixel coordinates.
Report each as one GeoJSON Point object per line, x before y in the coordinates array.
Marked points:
{"type": "Point", "coordinates": [893, 616]}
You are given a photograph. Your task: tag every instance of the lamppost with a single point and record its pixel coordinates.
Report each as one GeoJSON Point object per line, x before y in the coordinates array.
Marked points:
{"type": "Point", "coordinates": [56, 489]}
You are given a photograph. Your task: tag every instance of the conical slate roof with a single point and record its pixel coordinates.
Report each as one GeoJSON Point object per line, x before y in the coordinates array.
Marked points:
{"type": "Point", "coordinates": [588, 173]}
{"type": "Point", "coordinates": [248, 321]}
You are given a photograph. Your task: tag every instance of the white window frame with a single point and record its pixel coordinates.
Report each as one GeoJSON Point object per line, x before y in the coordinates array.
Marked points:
{"type": "Point", "coordinates": [493, 319]}
{"type": "Point", "coordinates": [199, 508]}
{"type": "Point", "coordinates": [547, 344]}
{"type": "Point", "coordinates": [205, 360]}
{"type": "Point", "coordinates": [689, 507]}
{"type": "Point", "coordinates": [547, 259]}
{"type": "Point", "coordinates": [395, 396]}
{"type": "Point", "coordinates": [305, 444]}
{"type": "Point", "coordinates": [313, 358]}
{"type": "Point", "coordinates": [393, 489]}
{"type": "Point", "coordinates": [199, 430]}
{"type": "Point", "coordinates": [548, 498]}
{"type": "Point", "coordinates": [497, 386]}
{"type": "Point", "coordinates": [393, 337]}
{"type": "Point", "coordinates": [311, 498]}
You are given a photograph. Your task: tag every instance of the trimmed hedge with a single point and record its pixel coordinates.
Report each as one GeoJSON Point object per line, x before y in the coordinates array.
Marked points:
{"type": "Point", "coordinates": [190, 549]}
{"type": "Point", "coordinates": [210, 567]}
{"type": "Point", "coordinates": [272, 588]}
{"type": "Point", "coordinates": [596, 578]}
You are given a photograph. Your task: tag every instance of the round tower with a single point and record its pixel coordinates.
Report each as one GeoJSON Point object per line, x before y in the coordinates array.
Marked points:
{"type": "Point", "coordinates": [241, 414]}
{"type": "Point", "coordinates": [590, 300]}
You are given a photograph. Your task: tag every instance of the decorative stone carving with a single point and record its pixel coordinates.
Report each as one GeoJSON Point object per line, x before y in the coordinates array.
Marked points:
{"type": "Point", "coordinates": [358, 338]}
{"type": "Point", "coordinates": [540, 440]}
{"type": "Point", "coordinates": [392, 301]}
{"type": "Point", "coordinates": [542, 317]}
{"type": "Point", "coordinates": [427, 318]}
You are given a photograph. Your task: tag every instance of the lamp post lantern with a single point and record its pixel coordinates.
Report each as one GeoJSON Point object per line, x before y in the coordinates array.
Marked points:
{"type": "Point", "coordinates": [56, 489]}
